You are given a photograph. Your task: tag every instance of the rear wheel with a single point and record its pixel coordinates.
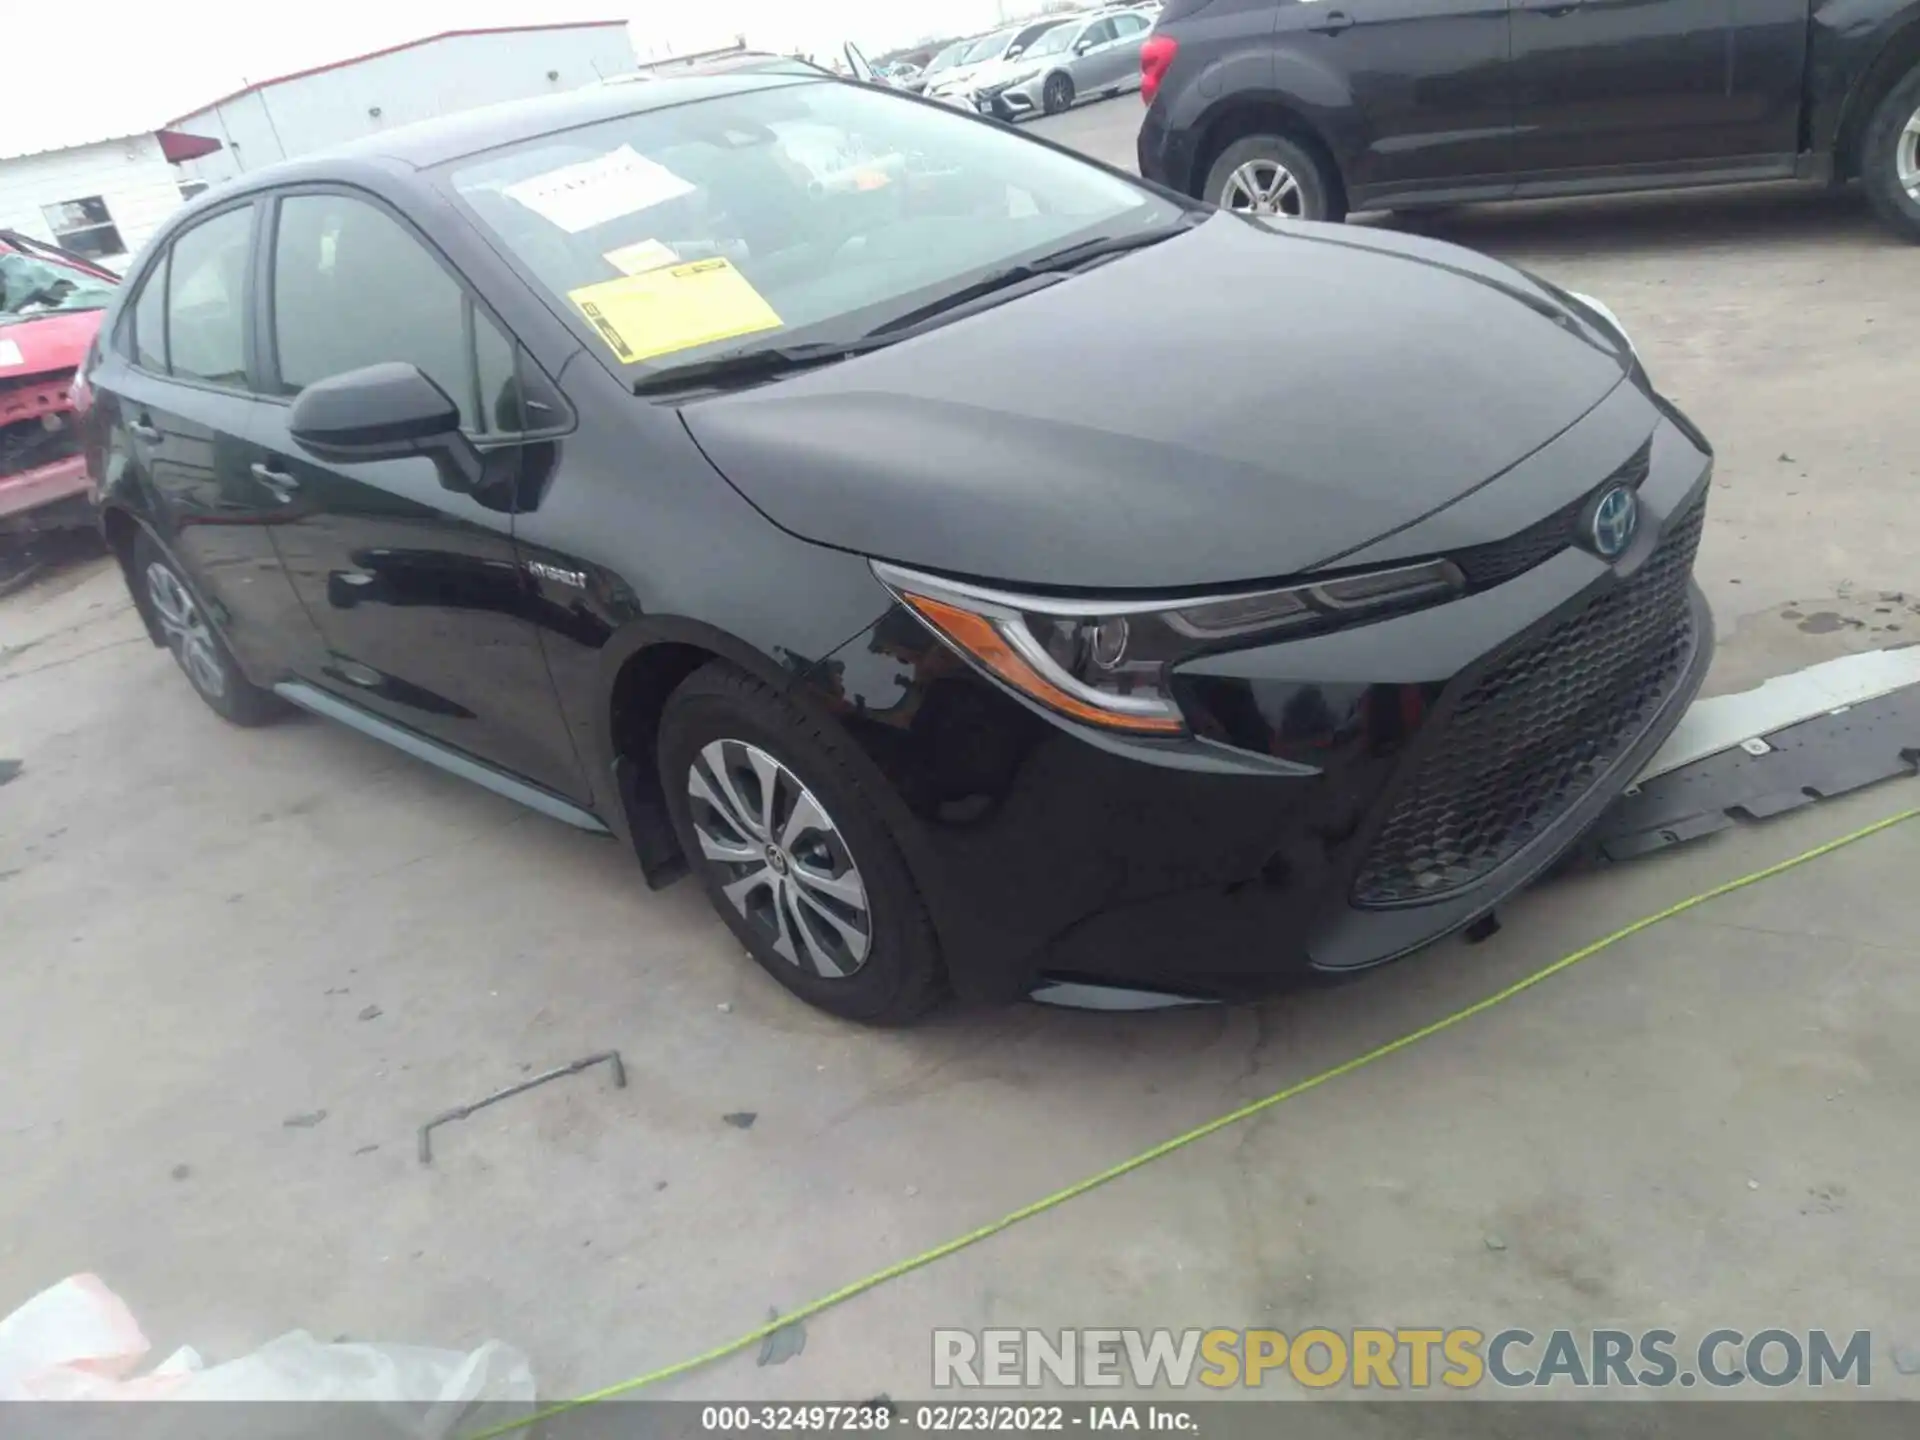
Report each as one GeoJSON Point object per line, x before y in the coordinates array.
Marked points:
{"type": "Point", "coordinates": [1274, 175]}
{"type": "Point", "coordinates": [197, 648]}
{"type": "Point", "coordinates": [1890, 157]}
{"type": "Point", "coordinates": [1057, 94]}
{"type": "Point", "coordinates": [793, 852]}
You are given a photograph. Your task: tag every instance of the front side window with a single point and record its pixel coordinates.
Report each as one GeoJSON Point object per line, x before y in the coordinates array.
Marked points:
{"type": "Point", "coordinates": [792, 213]}
{"type": "Point", "coordinates": [206, 300]}
{"type": "Point", "coordinates": [1098, 33]}
{"type": "Point", "coordinates": [85, 227]}
{"type": "Point", "coordinates": [1054, 42]}
{"type": "Point", "coordinates": [1128, 25]}
{"type": "Point", "coordinates": [150, 320]}
{"type": "Point", "coordinates": [353, 287]}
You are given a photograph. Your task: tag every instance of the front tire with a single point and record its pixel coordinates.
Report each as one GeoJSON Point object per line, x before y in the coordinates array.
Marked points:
{"type": "Point", "coordinates": [1276, 176]}
{"type": "Point", "coordinates": [203, 657]}
{"type": "Point", "coordinates": [1057, 94]}
{"type": "Point", "coordinates": [793, 852]}
{"type": "Point", "coordinates": [1890, 157]}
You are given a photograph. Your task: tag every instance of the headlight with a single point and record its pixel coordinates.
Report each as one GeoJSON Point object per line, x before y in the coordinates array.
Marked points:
{"type": "Point", "coordinates": [1607, 315]}
{"type": "Point", "coordinates": [1105, 662]}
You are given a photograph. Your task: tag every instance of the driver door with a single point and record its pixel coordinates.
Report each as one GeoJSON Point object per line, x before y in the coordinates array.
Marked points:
{"type": "Point", "coordinates": [417, 589]}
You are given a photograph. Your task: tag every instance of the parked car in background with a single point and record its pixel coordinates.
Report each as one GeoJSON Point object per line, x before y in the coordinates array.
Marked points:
{"type": "Point", "coordinates": [51, 301]}
{"type": "Point", "coordinates": [1098, 55]}
{"type": "Point", "coordinates": [939, 66]}
{"type": "Point", "coordinates": [958, 616]}
{"type": "Point", "coordinates": [1283, 107]}
{"type": "Point", "coordinates": [956, 87]}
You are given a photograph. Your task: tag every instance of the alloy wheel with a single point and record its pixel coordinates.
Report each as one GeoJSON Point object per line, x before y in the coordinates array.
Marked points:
{"type": "Point", "coordinates": [1263, 187]}
{"type": "Point", "coordinates": [782, 862]}
{"type": "Point", "coordinates": [186, 631]}
{"type": "Point", "coordinates": [1906, 157]}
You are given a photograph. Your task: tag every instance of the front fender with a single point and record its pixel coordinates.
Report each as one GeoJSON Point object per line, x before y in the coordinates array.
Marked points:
{"type": "Point", "coordinates": [1855, 48]}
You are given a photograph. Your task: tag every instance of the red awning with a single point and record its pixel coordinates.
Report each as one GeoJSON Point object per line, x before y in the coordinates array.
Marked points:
{"type": "Point", "coordinates": [177, 145]}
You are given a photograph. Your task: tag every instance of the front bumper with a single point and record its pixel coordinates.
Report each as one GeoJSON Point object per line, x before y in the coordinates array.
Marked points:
{"type": "Point", "coordinates": [1011, 102]}
{"type": "Point", "coordinates": [1255, 852]}
{"type": "Point", "coordinates": [28, 498]}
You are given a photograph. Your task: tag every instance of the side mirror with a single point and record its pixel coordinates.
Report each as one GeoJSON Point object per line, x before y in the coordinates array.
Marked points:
{"type": "Point", "coordinates": [385, 412]}
{"type": "Point", "coordinates": [1081, 47]}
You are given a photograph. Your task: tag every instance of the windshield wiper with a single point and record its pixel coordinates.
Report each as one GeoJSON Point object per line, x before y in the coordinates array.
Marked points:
{"type": "Point", "coordinates": [754, 364]}
{"type": "Point", "coordinates": [778, 360]}
{"type": "Point", "coordinates": [1054, 262]}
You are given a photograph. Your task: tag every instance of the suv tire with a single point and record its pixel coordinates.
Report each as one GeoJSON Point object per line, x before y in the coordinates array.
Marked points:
{"type": "Point", "coordinates": [1890, 157]}
{"type": "Point", "coordinates": [1274, 175]}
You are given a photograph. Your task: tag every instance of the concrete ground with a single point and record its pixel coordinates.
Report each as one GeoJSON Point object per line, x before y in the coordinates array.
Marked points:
{"type": "Point", "coordinates": [240, 968]}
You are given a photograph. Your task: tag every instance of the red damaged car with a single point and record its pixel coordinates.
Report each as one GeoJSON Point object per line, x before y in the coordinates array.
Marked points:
{"type": "Point", "coordinates": [51, 301]}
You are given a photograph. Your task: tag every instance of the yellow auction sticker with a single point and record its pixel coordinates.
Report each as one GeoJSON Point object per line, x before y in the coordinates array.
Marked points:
{"type": "Point", "coordinates": [673, 308]}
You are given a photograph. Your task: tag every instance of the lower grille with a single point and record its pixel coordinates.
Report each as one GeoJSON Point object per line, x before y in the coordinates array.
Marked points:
{"type": "Point", "coordinates": [29, 444]}
{"type": "Point", "coordinates": [1535, 733]}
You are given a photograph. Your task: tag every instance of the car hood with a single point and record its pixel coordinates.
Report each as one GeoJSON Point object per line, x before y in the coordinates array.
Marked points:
{"type": "Point", "coordinates": [49, 343]}
{"type": "Point", "coordinates": [996, 72]}
{"type": "Point", "coordinates": [1241, 402]}
{"type": "Point", "coordinates": [962, 74]}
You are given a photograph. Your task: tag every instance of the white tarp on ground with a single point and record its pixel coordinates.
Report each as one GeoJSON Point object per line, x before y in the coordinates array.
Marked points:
{"type": "Point", "coordinates": [79, 1341]}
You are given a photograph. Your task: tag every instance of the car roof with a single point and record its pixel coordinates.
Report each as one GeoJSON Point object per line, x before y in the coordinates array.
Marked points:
{"type": "Point", "coordinates": [433, 142]}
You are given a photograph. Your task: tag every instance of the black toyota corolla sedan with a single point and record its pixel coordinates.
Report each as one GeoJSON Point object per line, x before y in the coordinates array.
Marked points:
{"type": "Point", "coordinates": [984, 571]}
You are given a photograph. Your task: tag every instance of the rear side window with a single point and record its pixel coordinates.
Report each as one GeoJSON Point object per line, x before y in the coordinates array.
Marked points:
{"type": "Point", "coordinates": [206, 300]}
{"type": "Point", "coordinates": [353, 287]}
{"type": "Point", "coordinates": [150, 321]}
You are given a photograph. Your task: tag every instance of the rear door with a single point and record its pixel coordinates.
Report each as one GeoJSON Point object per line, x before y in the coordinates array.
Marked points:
{"type": "Point", "coordinates": [1093, 66]}
{"type": "Point", "coordinates": [1130, 33]}
{"type": "Point", "coordinates": [416, 588]}
{"type": "Point", "coordinates": [177, 392]}
{"type": "Point", "coordinates": [1655, 85]}
{"type": "Point", "coordinates": [1422, 88]}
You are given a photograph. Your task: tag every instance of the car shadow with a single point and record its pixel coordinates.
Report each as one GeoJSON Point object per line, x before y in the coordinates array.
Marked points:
{"type": "Point", "coordinates": [1627, 224]}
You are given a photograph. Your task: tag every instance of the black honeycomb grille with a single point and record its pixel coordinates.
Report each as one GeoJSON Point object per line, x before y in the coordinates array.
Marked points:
{"type": "Point", "coordinates": [1535, 733]}
{"type": "Point", "coordinates": [1499, 561]}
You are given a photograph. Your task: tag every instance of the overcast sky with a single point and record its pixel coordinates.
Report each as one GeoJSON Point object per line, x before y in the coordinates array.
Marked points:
{"type": "Point", "coordinates": [115, 67]}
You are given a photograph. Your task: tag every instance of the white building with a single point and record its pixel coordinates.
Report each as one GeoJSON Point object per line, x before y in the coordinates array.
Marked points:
{"type": "Point", "coordinates": [100, 198]}
{"type": "Point", "coordinates": [297, 114]}
{"type": "Point", "coordinates": [104, 196]}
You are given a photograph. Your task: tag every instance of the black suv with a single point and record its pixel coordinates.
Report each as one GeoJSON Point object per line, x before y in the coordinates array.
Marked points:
{"type": "Point", "coordinates": [1312, 108]}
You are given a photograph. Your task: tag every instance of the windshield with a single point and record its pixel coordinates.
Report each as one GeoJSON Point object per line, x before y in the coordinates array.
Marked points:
{"type": "Point", "coordinates": [1054, 41]}
{"type": "Point", "coordinates": [33, 285]}
{"type": "Point", "coordinates": [796, 212]}
{"type": "Point", "coordinates": [946, 59]}
{"type": "Point", "coordinates": [989, 48]}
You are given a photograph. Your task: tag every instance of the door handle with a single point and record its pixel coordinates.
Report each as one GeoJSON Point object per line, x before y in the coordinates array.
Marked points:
{"type": "Point", "coordinates": [1553, 12]}
{"type": "Point", "coordinates": [278, 481]}
{"type": "Point", "coordinates": [142, 430]}
{"type": "Point", "coordinates": [1331, 23]}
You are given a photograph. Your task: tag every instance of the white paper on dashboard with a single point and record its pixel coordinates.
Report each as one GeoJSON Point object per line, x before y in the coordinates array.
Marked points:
{"type": "Point", "coordinates": [592, 192]}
